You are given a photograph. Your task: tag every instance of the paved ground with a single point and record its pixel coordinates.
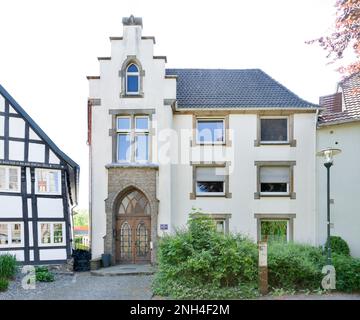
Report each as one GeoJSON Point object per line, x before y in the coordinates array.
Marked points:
{"type": "Point", "coordinates": [83, 286]}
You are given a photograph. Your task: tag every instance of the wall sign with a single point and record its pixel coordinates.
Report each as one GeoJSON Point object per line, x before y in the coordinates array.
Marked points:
{"type": "Point", "coordinates": [164, 226]}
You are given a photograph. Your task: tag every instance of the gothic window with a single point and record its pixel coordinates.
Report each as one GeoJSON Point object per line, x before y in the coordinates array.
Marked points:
{"type": "Point", "coordinates": [134, 203]}
{"type": "Point", "coordinates": [132, 79]}
{"type": "Point", "coordinates": [125, 240]}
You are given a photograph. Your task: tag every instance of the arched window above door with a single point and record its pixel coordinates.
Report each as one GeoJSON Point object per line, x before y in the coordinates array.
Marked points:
{"type": "Point", "coordinates": [134, 203]}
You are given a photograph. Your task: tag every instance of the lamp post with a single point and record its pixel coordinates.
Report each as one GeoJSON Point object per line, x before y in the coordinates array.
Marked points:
{"type": "Point", "coordinates": [328, 154]}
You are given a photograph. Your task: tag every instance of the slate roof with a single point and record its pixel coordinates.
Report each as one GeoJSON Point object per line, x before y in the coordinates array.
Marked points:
{"type": "Point", "coordinates": [73, 167]}
{"type": "Point", "coordinates": [232, 88]}
{"type": "Point", "coordinates": [350, 88]}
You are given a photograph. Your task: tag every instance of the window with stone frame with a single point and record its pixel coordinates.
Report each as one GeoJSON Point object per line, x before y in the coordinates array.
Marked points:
{"type": "Point", "coordinates": [133, 138]}
{"type": "Point", "coordinates": [274, 130]}
{"type": "Point", "coordinates": [210, 181]}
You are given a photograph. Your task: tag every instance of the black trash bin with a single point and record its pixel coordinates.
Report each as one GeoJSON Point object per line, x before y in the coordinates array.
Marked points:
{"type": "Point", "coordinates": [81, 260]}
{"type": "Point", "coordinates": [106, 260]}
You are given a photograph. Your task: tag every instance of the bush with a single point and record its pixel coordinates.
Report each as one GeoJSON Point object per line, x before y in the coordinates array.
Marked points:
{"type": "Point", "coordinates": [295, 266]}
{"type": "Point", "coordinates": [347, 272]}
{"type": "Point", "coordinates": [4, 284]}
{"type": "Point", "coordinates": [339, 246]}
{"type": "Point", "coordinates": [8, 266]}
{"type": "Point", "coordinates": [44, 275]}
{"type": "Point", "coordinates": [200, 261]}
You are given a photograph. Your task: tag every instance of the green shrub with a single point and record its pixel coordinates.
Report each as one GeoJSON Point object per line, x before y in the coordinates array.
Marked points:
{"type": "Point", "coordinates": [339, 246]}
{"type": "Point", "coordinates": [8, 266]}
{"type": "Point", "coordinates": [347, 272]}
{"type": "Point", "coordinates": [295, 266]}
{"type": "Point", "coordinates": [4, 284]}
{"type": "Point", "coordinates": [44, 275]}
{"type": "Point", "coordinates": [200, 261]}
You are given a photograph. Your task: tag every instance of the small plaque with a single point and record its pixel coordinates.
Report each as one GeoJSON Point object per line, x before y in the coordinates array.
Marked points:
{"type": "Point", "coordinates": [262, 254]}
{"type": "Point", "coordinates": [164, 226]}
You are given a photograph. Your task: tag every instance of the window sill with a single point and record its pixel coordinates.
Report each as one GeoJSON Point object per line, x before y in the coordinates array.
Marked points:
{"type": "Point", "coordinates": [258, 195]}
{"type": "Point", "coordinates": [132, 165]}
{"type": "Point", "coordinates": [226, 196]}
{"type": "Point", "coordinates": [222, 144]}
{"type": "Point", "coordinates": [125, 95]}
{"type": "Point", "coordinates": [291, 143]}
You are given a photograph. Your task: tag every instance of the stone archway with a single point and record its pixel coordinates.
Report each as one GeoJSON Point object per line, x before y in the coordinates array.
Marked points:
{"type": "Point", "coordinates": [122, 181]}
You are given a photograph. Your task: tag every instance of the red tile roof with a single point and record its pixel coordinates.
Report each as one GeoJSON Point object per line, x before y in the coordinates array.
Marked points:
{"type": "Point", "coordinates": [346, 110]}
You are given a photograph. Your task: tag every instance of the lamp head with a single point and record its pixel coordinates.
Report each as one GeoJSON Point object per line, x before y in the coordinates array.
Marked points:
{"type": "Point", "coordinates": [328, 154]}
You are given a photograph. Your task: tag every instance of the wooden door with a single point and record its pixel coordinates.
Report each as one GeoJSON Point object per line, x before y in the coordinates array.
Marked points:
{"type": "Point", "coordinates": [133, 239]}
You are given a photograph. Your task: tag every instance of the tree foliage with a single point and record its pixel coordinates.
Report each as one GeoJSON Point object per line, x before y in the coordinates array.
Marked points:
{"type": "Point", "coordinates": [344, 36]}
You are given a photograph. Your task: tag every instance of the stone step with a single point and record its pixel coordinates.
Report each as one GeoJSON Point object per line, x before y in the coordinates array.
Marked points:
{"type": "Point", "coordinates": [124, 270]}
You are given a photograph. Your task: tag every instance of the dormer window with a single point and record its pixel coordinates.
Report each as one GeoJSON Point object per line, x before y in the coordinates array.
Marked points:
{"type": "Point", "coordinates": [132, 79]}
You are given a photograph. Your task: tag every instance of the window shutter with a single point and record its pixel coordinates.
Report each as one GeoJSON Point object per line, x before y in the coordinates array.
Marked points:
{"type": "Point", "coordinates": [210, 174]}
{"type": "Point", "coordinates": [274, 174]}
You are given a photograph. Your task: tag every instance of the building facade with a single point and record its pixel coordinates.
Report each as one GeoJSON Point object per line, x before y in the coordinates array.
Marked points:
{"type": "Point", "coordinates": [235, 144]}
{"type": "Point", "coordinates": [38, 188]}
{"type": "Point", "coordinates": [339, 127]}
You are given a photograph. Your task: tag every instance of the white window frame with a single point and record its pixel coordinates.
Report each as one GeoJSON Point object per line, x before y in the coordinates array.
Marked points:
{"type": "Point", "coordinates": [132, 74]}
{"type": "Point", "coordinates": [48, 181]}
{"type": "Point", "coordinates": [10, 244]}
{"type": "Point", "coordinates": [127, 132]}
{"type": "Point", "coordinates": [142, 132]}
{"type": "Point", "coordinates": [287, 130]}
{"type": "Point", "coordinates": [7, 179]}
{"type": "Point", "coordinates": [208, 194]}
{"type": "Point", "coordinates": [210, 142]}
{"type": "Point", "coordinates": [51, 243]}
{"type": "Point", "coordinates": [287, 193]}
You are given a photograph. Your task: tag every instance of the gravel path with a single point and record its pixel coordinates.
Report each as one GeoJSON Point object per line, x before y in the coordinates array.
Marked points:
{"type": "Point", "coordinates": [83, 286]}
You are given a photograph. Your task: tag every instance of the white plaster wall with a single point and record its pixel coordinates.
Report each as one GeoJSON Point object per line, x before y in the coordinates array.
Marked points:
{"type": "Point", "coordinates": [2, 103]}
{"type": "Point", "coordinates": [242, 182]}
{"type": "Point", "coordinates": [28, 181]}
{"type": "Point", "coordinates": [53, 159]}
{"type": "Point", "coordinates": [1, 149]}
{"type": "Point", "coordinates": [2, 125]}
{"type": "Point", "coordinates": [108, 90]}
{"type": "Point", "coordinates": [16, 127]}
{"type": "Point", "coordinates": [36, 152]}
{"type": "Point", "coordinates": [50, 208]}
{"type": "Point", "coordinates": [10, 207]}
{"type": "Point", "coordinates": [33, 135]}
{"type": "Point", "coordinates": [16, 150]}
{"type": "Point", "coordinates": [31, 235]}
{"type": "Point", "coordinates": [19, 254]}
{"type": "Point", "coordinates": [345, 184]}
{"type": "Point", "coordinates": [29, 204]}
{"type": "Point", "coordinates": [52, 254]}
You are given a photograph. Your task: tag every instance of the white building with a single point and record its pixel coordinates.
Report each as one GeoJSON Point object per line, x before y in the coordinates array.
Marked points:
{"type": "Point", "coordinates": [339, 127]}
{"type": "Point", "coordinates": [235, 143]}
{"type": "Point", "coordinates": [38, 187]}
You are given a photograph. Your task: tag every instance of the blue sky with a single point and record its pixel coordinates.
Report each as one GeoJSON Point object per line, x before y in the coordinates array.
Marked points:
{"type": "Point", "coordinates": [48, 48]}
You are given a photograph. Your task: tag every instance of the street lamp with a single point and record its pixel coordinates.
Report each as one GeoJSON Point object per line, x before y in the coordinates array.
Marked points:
{"type": "Point", "coordinates": [328, 154]}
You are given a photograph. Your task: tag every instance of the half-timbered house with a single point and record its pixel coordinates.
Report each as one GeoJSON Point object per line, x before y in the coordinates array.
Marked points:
{"type": "Point", "coordinates": [38, 189]}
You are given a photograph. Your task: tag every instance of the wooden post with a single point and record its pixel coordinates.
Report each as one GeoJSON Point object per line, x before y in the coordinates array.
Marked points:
{"type": "Point", "coordinates": [263, 268]}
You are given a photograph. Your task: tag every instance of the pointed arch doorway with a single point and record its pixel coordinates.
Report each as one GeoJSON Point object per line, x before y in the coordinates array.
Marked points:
{"type": "Point", "coordinates": [133, 229]}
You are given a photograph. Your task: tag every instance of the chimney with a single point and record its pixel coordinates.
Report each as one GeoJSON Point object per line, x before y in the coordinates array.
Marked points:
{"type": "Point", "coordinates": [331, 103]}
